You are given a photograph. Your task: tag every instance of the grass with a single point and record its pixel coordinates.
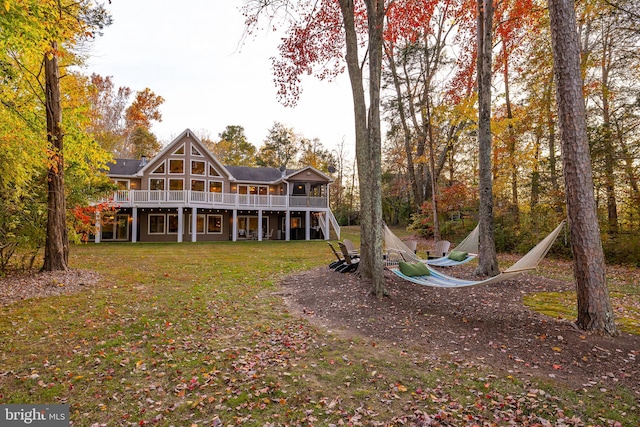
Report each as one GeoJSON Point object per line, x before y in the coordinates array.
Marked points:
{"type": "Point", "coordinates": [195, 334]}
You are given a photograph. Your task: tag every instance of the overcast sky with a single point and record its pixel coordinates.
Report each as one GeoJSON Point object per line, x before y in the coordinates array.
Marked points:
{"type": "Point", "coordinates": [189, 53]}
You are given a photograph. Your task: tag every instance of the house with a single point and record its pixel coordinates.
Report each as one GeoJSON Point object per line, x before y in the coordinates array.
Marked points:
{"type": "Point", "coordinates": [185, 194]}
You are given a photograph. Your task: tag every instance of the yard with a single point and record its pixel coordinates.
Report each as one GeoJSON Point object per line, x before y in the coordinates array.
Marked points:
{"type": "Point", "coordinates": [261, 333]}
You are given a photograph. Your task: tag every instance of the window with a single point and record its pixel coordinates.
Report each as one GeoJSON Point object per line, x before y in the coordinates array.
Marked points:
{"type": "Point", "coordinates": [172, 220]}
{"type": "Point", "coordinates": [156, 224]}
{"type": "Point", "coordinates": [176, 184]}
{"type": "Point", "coordinates": [194, 151]}
{"type": "Point", "coordinates": [199, 224]}
{"type": "Point", "coordinates": [179, 151]}
{"type": "Point", "coordinates": [160, 169]}
{"type": "Point", "coordinates": [176, 166]}
{"type": "Point", "coordinates": [156, 184]}
{"type": "Point", "coordinates": [317, 190]}
{"type": "Point", "coordinates": [197, 167]}
{"type": "Point", "coordinates": [214, 224]}
{"type": "Point", "coordinates": [123, 184]}
{"type": "Point", "coordinates": [215, 187]}
{"type": "Point", "coordinates": [296, 222]}
{"type": "Point", "coordinates": [212, 171]}
{"type": "Point", "coordinates": [197, 185]}
{"type": "Point", "coordinates": [115, 227]}
{"type": "Point", "coordinates": [299, 189]}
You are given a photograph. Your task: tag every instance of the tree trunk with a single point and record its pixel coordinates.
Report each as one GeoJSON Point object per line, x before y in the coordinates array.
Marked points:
{"type": "Point", "coordinates": [487, 259]}
{"type": "Point", "coordinates": [417, 194]}
{"type": "Point", "coordinates": [594, 307]}
{"type": "Point", "coordinates": [432, 167]}
{"type": "Point", "coordinates": [56, 251]}
{"type": "Point", "coordinates": [511, 142]}
{"type": "Point", "coordinates": [607, 135]}
{"type": "Point", "coordinates": [368, 138]}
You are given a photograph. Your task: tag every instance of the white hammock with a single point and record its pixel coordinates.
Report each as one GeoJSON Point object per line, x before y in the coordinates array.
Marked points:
{"type": "Point", "coordinates": [528, 262]}
{"type": "Point", "coordinates": [468, 245]}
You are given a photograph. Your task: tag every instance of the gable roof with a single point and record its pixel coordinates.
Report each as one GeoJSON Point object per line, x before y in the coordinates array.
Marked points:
{"type": "Point", "coordinates": [172, 145]}
{"type": "Point", "coordinates": [291, 174]}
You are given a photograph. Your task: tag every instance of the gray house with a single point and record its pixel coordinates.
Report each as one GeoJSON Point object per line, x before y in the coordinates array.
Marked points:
{"type": "Point", "coordinates": [185, 194]}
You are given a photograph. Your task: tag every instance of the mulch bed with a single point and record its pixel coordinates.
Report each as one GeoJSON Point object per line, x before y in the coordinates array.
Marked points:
{"type": "Point", "coordinates": [485, 324]}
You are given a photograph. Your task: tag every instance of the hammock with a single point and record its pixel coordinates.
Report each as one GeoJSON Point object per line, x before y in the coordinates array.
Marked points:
{"type": "Point", "coordinates": [528, 262]}
{"type": "Point", "coordinates": [468, 245]}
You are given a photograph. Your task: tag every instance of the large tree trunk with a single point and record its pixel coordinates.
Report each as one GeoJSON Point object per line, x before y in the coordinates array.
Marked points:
{"type": "Point", "coordinates": [56, 251]}
{"type": "Point", "coordinates": [487, 259]}
{"type": "Point", "coordinates": [368, 138]}
{"type": "Point", "coordinates": [594, 307]}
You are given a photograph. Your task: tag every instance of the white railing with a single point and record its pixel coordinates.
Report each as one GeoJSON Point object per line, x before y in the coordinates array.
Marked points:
{"type": "Point", "coordinates": [126, 198]}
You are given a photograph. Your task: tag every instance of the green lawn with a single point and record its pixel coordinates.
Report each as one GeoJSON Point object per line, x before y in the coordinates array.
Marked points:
{"type": "Point", "coordinates": [194, 334]}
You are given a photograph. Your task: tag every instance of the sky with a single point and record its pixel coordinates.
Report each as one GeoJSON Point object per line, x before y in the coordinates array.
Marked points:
{"type": "Point", "coordinates": [192, 53]}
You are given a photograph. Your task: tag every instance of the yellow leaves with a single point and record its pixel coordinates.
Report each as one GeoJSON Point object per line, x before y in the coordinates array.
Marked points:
{"type": "Point", "coordinates": [7, 5]}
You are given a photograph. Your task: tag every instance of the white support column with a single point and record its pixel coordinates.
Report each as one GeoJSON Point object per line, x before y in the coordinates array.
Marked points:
{"type": "Point", "coordinates": [307, 225]}
{"type": "Point", "coordinates": [259, 225]}
{"type": "Point", "coordinates": [194, 223]}
{"type": "Point", "coordinates": [180, 225]}
{"type": "Point", "coordinates": [327, 226]}
{"type": "Point", "coordinates": [98, 230]}
{"type": "Point", "coordinates": [287, 226]}
{"type": "Point", "coordinates": [134, 225]}
{"type": "Point", "coordinates": [234, 226]}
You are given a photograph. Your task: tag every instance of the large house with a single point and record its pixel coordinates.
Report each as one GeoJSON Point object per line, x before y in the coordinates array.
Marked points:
{"type": "Point", "coordinates": [185, 194]}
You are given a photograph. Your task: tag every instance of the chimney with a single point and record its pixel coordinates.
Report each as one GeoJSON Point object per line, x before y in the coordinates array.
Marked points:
{"type": "Point", "coordinates": [143, 160]}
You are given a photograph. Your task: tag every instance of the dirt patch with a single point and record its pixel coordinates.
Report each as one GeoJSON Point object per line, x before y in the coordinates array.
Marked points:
{"type": "Point", "coordinates": [19, 286]}
{"type": "Point", "coordinates": [485, 324]}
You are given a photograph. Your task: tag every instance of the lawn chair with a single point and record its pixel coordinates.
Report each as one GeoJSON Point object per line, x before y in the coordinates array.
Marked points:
{"type": "Point", "coordinates": [442, 247]}
{"type": "Point", "coordinates": [413, 245]}
{"type": "Point", "coordinates": [351, 248]}
{"type": "Point", "coordinates": [351, 261]}
{"type": "Point", "coordinates": [340, 261]}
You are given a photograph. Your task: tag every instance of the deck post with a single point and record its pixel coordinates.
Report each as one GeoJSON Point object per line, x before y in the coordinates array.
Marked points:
{"type": "Point", "coordinates": [307, 225]}
{"type": "Point", "coordinates": [194, 223]}
{"type": "Point", "coordinates": [259, 230]}
{"type": "Point", "coordinates": [234, 226]}
{"type": "Point", "coordinates": [98, 226]}
{"type": "Point", "coordinates": [180, 225]}
{"type": "Point", "coordinates": [134, 225]}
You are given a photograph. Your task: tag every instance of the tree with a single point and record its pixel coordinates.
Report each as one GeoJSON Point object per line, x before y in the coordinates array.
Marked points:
{"type": "Point", "coordinates": [107, 112]}
{"type": "Point", "coordinates": [594, 307]}
{"type": "Point", "coordinates": [233, 147]}
{"type": "Point", "coordinates": [144, 143]}
{"type": "Point", "coordinates": [487, 259]}
{"type": "Point", "coordinates": [50, 26]}
{"type": "Point", "coordinates": [280, 147]}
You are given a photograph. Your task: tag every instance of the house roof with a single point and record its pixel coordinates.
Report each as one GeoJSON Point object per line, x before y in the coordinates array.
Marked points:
{"type": "Point", "coordinates": [253, 174]}
{"type": "Point", "coordinates": [132, 167]}
{"type": "Point", "coordinates": [124, 167]}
